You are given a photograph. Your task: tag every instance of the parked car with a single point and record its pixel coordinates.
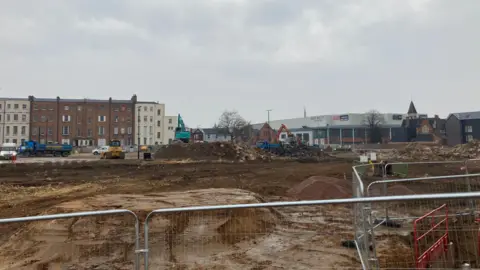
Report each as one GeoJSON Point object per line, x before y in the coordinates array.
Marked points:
{"type": "Point", "coordinates": [97, 151]}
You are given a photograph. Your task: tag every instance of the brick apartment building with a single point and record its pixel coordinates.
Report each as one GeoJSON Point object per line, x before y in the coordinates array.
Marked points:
{"type": "Point", "coordinates": [82, 122]}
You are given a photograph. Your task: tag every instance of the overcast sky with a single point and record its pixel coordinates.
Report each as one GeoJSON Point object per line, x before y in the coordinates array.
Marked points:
{"type": "Point", "coordinates": [200, 57]}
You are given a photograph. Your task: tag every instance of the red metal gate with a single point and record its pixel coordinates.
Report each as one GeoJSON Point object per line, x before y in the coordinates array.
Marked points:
{"type": "Point", "coordinates": [440, 244]}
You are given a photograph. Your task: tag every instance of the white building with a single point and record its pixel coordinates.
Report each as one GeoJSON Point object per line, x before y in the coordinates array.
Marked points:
{"type": "Point", "coordinates": [170, 123]}
{"type": "Point", "coordinates": [332, 121]}
{"type": "Point", "coordinates": [213, 135]}
{"type": "Point", "coordinates": [149, 123]}
{"type": "Point", "coordinates": [14, 120]}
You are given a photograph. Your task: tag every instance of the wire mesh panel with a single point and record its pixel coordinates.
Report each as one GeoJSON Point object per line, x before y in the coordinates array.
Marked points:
{"type": "Point", "coordinates": [423, 185]}
{"type": "Point", "coordinates": [304, 237]}
{"type": "Point", "coordinates": [360, 213]}
{"type": "Point", "coordinates": [422, 169]}
{"type": "Point", "coordinates": [85, 240]}
{"type": "Point", "coordinates": [434, 234]}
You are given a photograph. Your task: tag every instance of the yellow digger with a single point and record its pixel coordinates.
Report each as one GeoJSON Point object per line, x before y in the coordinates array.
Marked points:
{"type": "Point", "coordinates": [114, 151]}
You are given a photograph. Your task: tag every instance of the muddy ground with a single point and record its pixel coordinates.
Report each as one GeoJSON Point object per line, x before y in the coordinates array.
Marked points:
{"type": "Point", "coordinates": [283, 238]}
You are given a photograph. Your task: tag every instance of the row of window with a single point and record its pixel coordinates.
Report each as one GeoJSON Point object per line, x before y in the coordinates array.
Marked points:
{"type": "Point", "coordinates": [15, 141]}
{"type": "Point", "coordinates": [68, 118]}
{"type": "Point", "coordinates": [15, 106]}
{"type": "Point", "coordinates": [66, 131]}
{"type": "Point", "coordinates": [468, 129]}
{"type": "Point", "coordinates": [14, 130]}
{"type": "Point", "coordinates": [121, 108]}
{"type": "Point", "coordinates": [15, 117]}
{"type": "Point", "coordinates": [145, 109]}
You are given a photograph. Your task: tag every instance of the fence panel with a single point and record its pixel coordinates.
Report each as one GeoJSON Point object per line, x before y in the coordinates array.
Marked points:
{"type": "Point", "coordinates": [84, 240]}
{"type": "Point", "coordinates": [425, 168]}
{"type": "Point", "coordinates": [422, 185]}
{"type": "Point", "coordinates": [287, 235]}
{"type": "Point", "coordinates": [423, 234]}
{"type": "Point", "coordinates": [431, 226]}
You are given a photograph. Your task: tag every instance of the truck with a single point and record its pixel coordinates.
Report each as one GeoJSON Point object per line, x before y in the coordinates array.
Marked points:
{"type": "Point", "coordinates": [33, 148]}
{"type": "Point", "coordinates": [8, 151]}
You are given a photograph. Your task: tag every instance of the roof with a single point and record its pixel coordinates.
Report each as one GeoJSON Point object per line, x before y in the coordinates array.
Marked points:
{"type": "Point", "coordinates": [411, 108]}
{"type": "Point", "coordinates": [347, 120]}
{"type": "Point", "coordinates": [81, 100]}
{"type": "Point", "coordinates": [13, 99]}
{"type": "Point", "coordinates": [466, 115]}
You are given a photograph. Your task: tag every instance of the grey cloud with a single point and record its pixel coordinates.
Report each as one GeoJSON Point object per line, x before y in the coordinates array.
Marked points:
{"type": "Point", "coordinates": [203, 56]}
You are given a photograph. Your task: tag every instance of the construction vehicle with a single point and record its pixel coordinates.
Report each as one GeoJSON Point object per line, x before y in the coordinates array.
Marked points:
{"type": "Point", "coordinates": [33, 148]}
{"type": "Point", "coordinates": [181, 133]}
{"type": "Point", "coordinates": [114, 151]}
{"type": "Point", "coordinates": [291, 139]}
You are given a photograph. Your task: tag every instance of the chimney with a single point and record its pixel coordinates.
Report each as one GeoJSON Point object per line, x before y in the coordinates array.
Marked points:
{"type": "Point", "coordinates": [436, 116]}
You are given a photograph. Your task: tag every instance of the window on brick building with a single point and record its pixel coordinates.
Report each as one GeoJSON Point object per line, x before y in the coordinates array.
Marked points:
{"type": "Point", "coordinates": [101, 130]}
{"type": "Point", "coordinates": [65, 130]}
{"type": "Point", "coordinates": [66, 108]}
{"type": "Point", "coordinates": [102, 118]}
{"type": "Point", "coordinates": [66, 118]}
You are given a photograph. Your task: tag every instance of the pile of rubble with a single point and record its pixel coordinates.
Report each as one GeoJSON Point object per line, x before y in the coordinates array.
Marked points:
{"type": "Point", "coordinates": [414, 151]}
{"type": "Point", "coordinates": [211, 151]}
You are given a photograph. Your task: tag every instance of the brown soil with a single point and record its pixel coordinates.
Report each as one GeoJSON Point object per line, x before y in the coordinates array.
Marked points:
{"type": "Point", "coordinates": [322, 188]}
{"type": "Point", "coordinates": [211, 151]}
{"type": "Point", "coordinates": [281, 239]}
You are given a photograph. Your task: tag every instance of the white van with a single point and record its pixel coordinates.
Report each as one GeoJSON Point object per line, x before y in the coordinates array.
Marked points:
{"type": "Point", "coordinates": [8, 150]}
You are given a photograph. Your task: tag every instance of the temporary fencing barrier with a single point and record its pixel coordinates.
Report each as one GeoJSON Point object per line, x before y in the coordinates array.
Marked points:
{"type": "Point", "coordinates": [206, 236]}
{"type": "Point", "coordinates": [73, 241]}
{"type": "Point", "coordinates": [427, 252]}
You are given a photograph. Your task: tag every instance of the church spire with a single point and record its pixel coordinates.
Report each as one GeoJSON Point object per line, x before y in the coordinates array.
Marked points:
{"type": "Point", "coordinates": [412, 111]}
{"type": "Point", "coordinates": [304, 112]}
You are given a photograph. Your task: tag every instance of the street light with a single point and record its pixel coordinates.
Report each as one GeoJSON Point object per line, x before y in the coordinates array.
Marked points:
{"type": "Point", "coordinates": [138, 133]}
{"type": "Point", "coordinates": [268, 115]}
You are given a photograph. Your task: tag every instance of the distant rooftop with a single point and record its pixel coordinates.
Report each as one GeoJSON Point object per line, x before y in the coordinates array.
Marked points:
{"type": "Point", "coordinates": [466, 115]}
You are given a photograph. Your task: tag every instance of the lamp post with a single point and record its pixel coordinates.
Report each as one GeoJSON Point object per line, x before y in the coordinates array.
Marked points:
{"type": "Point", "coordinates": [138, 133]}
{"type": "Point", "coordinates": [268, 116]}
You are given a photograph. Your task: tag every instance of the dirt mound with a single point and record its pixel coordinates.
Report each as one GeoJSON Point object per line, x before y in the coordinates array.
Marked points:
{"type": "Point", "coordinates": [107, 242]}
{"type": "Point", "coordinates": [321, 188]}
{"type": "Point", "coordinates": [211, 151]}
{"type": "Point", "coordinates": [417, 151]}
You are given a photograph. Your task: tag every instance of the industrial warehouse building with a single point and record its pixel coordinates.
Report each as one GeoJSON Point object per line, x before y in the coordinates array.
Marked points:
{"type": "Point", "coordinates": [351, 128]}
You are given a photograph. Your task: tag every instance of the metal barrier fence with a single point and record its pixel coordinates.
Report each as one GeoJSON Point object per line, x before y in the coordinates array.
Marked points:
{"type": "Point", "coordinates": [292, 235]}
{"type": "Point", "coordinates": [379, 184]}
{"type": "Point", "coordinates": [307, 236]}
{"type": "Point", "coordinates": [82, 240]}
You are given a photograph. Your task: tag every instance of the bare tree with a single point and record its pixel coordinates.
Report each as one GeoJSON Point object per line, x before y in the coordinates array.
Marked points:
{"type": "Point", "coordinates": [232, 123]}
{"type": "Point", "coordinates": [373, 124]}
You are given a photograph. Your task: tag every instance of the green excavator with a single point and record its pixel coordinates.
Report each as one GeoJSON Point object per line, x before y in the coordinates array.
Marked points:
{"type": "Point", "coordinates": [181, 133]}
